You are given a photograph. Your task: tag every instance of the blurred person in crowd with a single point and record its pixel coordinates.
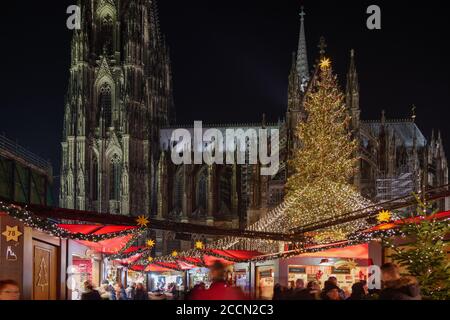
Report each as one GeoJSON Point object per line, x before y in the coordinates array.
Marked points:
{"type": "Point", "coordinates": [396, 287]}
{"type": "Point", "coordinates": [347, 292]}
{"type": "Point", "coordinates": [141, 293]}
{"type": "Point", "coordinates": [334, 281]}
{"type": "Point", "coordinates": [131, 291]}
{"type": "Point", "coordinates": [313, 290]}
{"type": "Point", "coordinates": [120, 293]}
{"type": "Point", "coordinates": [106, 291]}
{"type": "Point", "coordinates": [9, 290]}
{"type": "Point", "coordinates": [331, 292]}
{"type": "Point", "coordinates": [360, 291]}
{"type": "Point", "coordinates": [89, 293]}
{"type": "Point", "coordinates": [219, 290]}
{"type": "Point", "coordinates": [277, 292]}
{"type": "Point", "coordinates": [300, 292]}
{"type": "Point", "coordinates": [197, 290]}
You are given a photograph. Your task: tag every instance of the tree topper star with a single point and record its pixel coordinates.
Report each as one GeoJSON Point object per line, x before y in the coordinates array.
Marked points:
{"type": "Point", "coordinates": [142, 221]}
{"type": "Point", "coordinates": [325, 63]}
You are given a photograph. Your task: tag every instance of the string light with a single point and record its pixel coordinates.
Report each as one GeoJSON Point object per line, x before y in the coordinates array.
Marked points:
{"type": "Point", "coordinates": [45, 225]}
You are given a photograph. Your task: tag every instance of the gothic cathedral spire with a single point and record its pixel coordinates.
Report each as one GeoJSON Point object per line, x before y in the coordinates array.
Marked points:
{"type": "Point", "coordinates": [302, 55]}
{"type": "Point", "coordinates": [352, 93]}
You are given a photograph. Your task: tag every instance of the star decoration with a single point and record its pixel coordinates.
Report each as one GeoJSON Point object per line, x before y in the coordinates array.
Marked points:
{"type": "Point", "coordinates": [150, 243]}
{"type": "Point", "coordinates": [350, 264]}
{"type": "Point", "coordinates": [384, 216]}
{"type": "Point", "coordinates": [175, 254]}
{"type": "Point", "coordinates": [142, 221]}
{"type": "Point", "coordinates": [325, 63]}
{"type": "Point", "coordinates": [150, 259]}
{"type": "Point", "coordinates": [199, 245]}
{"type": "Point", "coordinates": [12, 234]}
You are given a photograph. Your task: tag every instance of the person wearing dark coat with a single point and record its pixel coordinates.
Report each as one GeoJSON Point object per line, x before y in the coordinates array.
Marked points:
{"type": "Point", "coordinates": [331, 292]}
{"type": "Point", "coordinates": [396, 287]}
{"type": "Point", "coordinates": [141, 293]}
{"type": "Point", "coordinates": [277, 292]}
{"type": "Point", "coordinates": [359, 291]}
{"type": "Point", "coordinates": [120, 292]}
{"type": "Point", "coordinates": [89, 292]}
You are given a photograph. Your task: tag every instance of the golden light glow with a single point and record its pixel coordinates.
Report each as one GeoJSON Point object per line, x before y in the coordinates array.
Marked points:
{"type": "Point", "coordinates": [199, 245]}
{"type": "Point", "coordinates": [350, 264]}
{"type": "Point", "coordinates": [150, 243]}
{"type": "Point", "coordinates": [142, 221]}
{"type": "Point", "coordinates": [325, 63]}
{"type": "Point", "coordinates": [175, 254]}
{"type": "Point", "coordinates": [384, 216]}
{"type": "Point", "coordinates": [150, 259]}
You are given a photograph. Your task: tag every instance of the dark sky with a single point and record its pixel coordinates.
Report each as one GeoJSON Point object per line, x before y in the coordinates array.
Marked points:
{"type": "Point", "coordinates": [231, 61]}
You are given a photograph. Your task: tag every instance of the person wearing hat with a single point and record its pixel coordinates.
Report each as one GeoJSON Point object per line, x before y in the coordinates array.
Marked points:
{"type": "Point", "coordinates": [331, 292]}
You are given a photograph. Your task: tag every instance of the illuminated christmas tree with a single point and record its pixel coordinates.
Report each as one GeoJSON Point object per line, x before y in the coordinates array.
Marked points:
{"type": "Point", "coordinates": [324, 163]}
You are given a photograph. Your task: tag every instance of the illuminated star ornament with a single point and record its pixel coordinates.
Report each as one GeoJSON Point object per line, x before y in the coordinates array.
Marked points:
{"type": "Point", "coordinates": [199, 245]}
{"type": "Point", "coordinates": [150, 243]}
{"type": "Point", "coordinates": [142, 221]}
{"type": "Point", "coordinates": [175, 254]}
{"type": "Point", "coordinates": [12, 234]}
{"type": "Point", "coordinates": [150, 259]}
{"type": "Point", "coordinates": [325, 63]}
{"type": "Point", "coordinates": [384, 216]}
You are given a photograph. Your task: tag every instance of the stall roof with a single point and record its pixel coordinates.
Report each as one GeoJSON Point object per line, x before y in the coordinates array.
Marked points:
{"type": "Point", "coordinates": [352, 252]}
{"type": "Point", "coordinates": [386, 226]}
{"type": "Point", "coordinates": [109, 246]}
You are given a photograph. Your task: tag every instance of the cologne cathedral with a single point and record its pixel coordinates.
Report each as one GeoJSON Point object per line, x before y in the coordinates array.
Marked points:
{"type": "Point", "coordinates": [119, 118]}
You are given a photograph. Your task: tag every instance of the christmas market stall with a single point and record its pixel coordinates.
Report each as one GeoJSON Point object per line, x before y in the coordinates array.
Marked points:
{"type": "Point", "coordinates": [51, 260]}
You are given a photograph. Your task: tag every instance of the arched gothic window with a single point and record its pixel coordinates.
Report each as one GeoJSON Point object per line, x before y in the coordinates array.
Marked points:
{"type": "Point", "coordinates": [225, 190]}
{"type": "Point", "coordinates": [178, 191]}
{"type": "Point", "coordinates": [95, 180]}
{"type": "Point", "coordinates": [105, 104]}
{"type": "Point", "coordinates": [201, 195]}
{"type": "Point", "coordinates": [106, 35]}
{"type": "Point", "coordinates": [115, 173]}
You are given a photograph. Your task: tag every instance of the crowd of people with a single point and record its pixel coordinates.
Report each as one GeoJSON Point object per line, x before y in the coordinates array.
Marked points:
{"type": "Point", "coordinates": [395, 287]}
{"type": "Point", "coordinates": [114, 292]}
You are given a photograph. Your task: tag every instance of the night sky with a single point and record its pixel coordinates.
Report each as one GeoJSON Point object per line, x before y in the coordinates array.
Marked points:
{"type": "Point", "coordinates": [231, 61]}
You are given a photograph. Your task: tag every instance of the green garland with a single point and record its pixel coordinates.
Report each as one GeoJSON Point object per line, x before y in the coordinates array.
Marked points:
{"type": "Point", "coordinates": [121, 255]}
{"type": "Point", "coordinates": [42, 224]}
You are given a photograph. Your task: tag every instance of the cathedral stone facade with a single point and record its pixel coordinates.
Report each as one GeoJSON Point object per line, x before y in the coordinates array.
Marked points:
{"type": "Point", "coordinates": [119, 95]}
{"type": "Point", "coordinates": [119, 117]}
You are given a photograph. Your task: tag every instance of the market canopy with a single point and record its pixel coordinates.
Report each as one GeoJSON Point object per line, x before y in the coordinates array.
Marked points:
{"type": "Point", "coordinates": [113, 245]}
{"type": "Point", "coordinates": [391, 225]}
{"type": "Point", "coordinates": [206, 259]}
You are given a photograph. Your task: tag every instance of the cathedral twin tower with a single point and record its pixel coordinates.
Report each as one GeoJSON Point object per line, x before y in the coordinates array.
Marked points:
{"type": "Point", "coordinates": [119, 94]}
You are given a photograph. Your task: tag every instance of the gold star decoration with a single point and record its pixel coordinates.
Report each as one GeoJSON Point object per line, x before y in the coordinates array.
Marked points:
{"type": "Point", "coordinates": [12, 234]}
{"type": "Point", "coordinates": [150, 259]}
{"type": "Point", "coordinates": [384, 216]}
{"type": "Point", "coordinates": [150, 243]}
{"type": "Point", "coordinates": [325, 63]}
{"type": "Point", "coordinates": [199, 245]}
{"type": "Point", "coordinates": [175, 254]}
{"type": "Point", "coordinates": [350, 264]}
{"type": "Point", "coordinates": [142, 221]}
